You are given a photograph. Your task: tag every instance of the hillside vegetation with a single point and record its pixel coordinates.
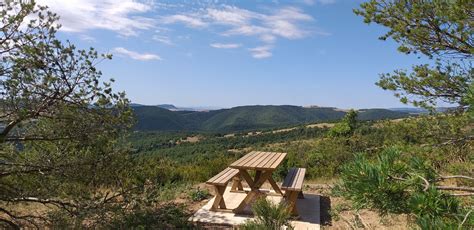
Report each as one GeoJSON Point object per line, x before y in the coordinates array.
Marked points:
{"type": "Point", "coordinates": [154, 118]}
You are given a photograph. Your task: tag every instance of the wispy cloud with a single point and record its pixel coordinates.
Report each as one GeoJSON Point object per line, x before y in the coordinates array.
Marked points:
{"type": "Point", "coordinates": [225, 45]}
{"type": "Point", "coordinates": [134, 55]}
{"type": "Point", "coordinates": [261, 51]}
{"type": "Point", "coordinates": [87, 38]}
{"type": "Point", "coordinates": [189, 21]}
{"type": "Point", "coordinates": [323, 2]}
{"type": "Point", "coordinates": [162, 39]}
{"type": "Point", "coordinates": [129, 18]}
{"type": "Point", "coordinates": [122, 17]}
{"type": "Point", "coordinates": [284, 23]}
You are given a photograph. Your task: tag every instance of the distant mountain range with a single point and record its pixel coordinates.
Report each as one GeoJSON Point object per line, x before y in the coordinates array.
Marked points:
{"type": "Point", "coordinates": [176, 108]}
{"type": "Point", "coordinates": [421, 110]}
{"type": "Point", "coordinates": [171, 118]}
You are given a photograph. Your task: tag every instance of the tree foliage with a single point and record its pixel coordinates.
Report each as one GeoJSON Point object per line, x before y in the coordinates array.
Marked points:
{"type": "Point", "coordinates": [346, 126]}
{"type": "Point", "coordinates": [61, 141]}
{"type": "Point", "coordinates": [437, 29]}
{"type": "Point", "coordinates": [394, 183]}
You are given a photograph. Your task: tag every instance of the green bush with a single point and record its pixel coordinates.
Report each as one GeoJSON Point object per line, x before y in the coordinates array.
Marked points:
{"type": "Point", "coordinates": [168, 216]}
{"type": "Point", "coordinates": [268, 216]}
{"type": "Point", "coordinates": [397, 184]}
{"type": "Point", "coordinates": [198, 194]}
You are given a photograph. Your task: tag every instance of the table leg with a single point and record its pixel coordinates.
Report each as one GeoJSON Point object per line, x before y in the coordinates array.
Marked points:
{"type": "Point", "coordinates": [247, 177]}
{"type": "Point", "coordinates": [219, 199]}
{"type": "Point", "coordinates": [291, 199]}
{"type": "Point", "coordinates": [254, 186]}
{"type": "Point", "coordinates": [275, 186]}
{"type": "Point", "coordinates": [237, 184]}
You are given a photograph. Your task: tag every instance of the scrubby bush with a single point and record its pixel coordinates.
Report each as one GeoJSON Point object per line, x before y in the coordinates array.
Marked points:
{"type": "Point", "coordinates": [394, 183]}
{"type": "Point", "coordinates": [198, 194]}
{"type": "Point", "coordinates": [167, 216]}
{"type": "Point", "coordinates": [268, 216]}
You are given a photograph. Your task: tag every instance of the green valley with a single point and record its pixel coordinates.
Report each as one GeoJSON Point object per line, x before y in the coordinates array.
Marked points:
{"type": "Point", "coordinates": [245, 118]}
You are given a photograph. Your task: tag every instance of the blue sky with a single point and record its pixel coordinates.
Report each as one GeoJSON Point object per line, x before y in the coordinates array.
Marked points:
{"type": "Point", "coordinates": [231, 53]}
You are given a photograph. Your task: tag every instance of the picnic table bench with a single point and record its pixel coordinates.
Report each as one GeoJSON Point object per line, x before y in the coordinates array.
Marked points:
{"type": "Point", "coordinates": [220, 182]}
{"type": "Point", "coordinates": [293, 187]}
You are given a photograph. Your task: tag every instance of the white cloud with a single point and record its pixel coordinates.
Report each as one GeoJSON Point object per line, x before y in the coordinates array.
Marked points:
{"type": "Point", "coordinates": [121, 17]}
{"type": "Point", "coordinates": [324, 2]}
{"type": "Point", "coordinates": [261, 52]}
{"type": "Point", "coordinates": [225, 45]}
{"type": "Point", "coordinates": [87, 38]}
{"type": "Point", "coordinates": [284, 23]}
{"type": "Point", "coordinates": [134, 55]}
{"type": "Point", "coordinates": [230, 15]}
{"type": "Point", "coordinates": [162, 39]}
{"type": "Point", "coordinates": [189, 21]}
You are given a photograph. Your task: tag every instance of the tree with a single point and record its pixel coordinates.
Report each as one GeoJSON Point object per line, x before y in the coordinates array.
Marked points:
{"type": "Point", "coordinates": [405, 183]}
{"type": "Point", "coordinates": [346, 126]}
{"type": "Point", "coordinates": [62, 126]}
{"type": "Point", "coordinates": [441, 30]}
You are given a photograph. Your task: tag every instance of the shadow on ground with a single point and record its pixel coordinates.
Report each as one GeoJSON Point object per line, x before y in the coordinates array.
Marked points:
{"type": "Point", "coordinates": [325, 204]}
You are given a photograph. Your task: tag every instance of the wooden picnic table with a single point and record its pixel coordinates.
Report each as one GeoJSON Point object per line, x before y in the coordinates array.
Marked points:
{"type": "Point", "coordinates": [263, 163]}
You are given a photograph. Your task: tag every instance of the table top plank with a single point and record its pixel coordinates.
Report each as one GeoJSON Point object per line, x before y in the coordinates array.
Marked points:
{"type": "Point", "coordinates": [279, 160]}
{"type": "Point", "coordinates": [243, 158]}
{"type": "Point", "coordinates": [259, 160]}
{"type": "Point", "coordinates": [270, 161]}
{"type": "Point", "coordinates": [262, 160]}
{"type": "Point", "coordinates": [250, 159]}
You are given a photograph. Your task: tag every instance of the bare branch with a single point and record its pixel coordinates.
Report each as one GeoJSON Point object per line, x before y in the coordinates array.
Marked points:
{"type": "Point", "coordinates": [465, 218]}
{"type": "Point", "coordinates": [451, 188]}
{"type": "Point", "coordinates": [455, 177]}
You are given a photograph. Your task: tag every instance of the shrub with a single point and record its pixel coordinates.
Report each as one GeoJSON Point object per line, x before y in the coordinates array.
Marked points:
{"type": "Point", "coordinates": [268, 216]}
{"type": "Point", "coordinates": [198, 194]}
{"type": "Point", "coordinates": [393, 184]}
{"type": "Point", "coordinates": [167, 216]}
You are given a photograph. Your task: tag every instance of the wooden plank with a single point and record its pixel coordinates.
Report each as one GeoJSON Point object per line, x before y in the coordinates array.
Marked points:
{"type": "Point", "coordinates": [300, 179]}
{"type": "Point", "coordinates": [294, 179]}
{"type": "Point", "coordinates": [214, 178]}
{"type": "Point", "coordinates": [270, 161]}
{"type": "Point", "coordinates": [223, 177]}
{"type": "Point", "coordinates": [253, 192]}
{"type": "Point", "coordinates": [250, 158]}
{"type": "Point", "coordinates": [237, 162]}
{"type": "Point", "coordinates": [289, 178]}
{"type": "Point", "coordinates": [271, 158]}
{"type": "Point", "coordinates": [278, 161]}
{"type": "Point", "coordinates": [257, 158]}
{"type": "Point", "coordinates": [246, 177]}
{"type": "Point", "coordinates": [274, 185]}
{"type": "Point", "coordinates": [229, 176]}
{"type": "Point", "coordinates": [261, 161]}
{"type": "Point", "coordinates": [293, 182]}
{"type": "Point", "coordinates": [252, 161]}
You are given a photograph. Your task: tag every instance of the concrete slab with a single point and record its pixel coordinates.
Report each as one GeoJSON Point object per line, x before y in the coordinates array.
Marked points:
{"type": "Point", "coordinates": [308, 209]}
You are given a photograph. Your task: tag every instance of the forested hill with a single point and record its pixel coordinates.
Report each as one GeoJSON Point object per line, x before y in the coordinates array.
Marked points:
{"type": "Point", "coordinates": [155, 118]}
